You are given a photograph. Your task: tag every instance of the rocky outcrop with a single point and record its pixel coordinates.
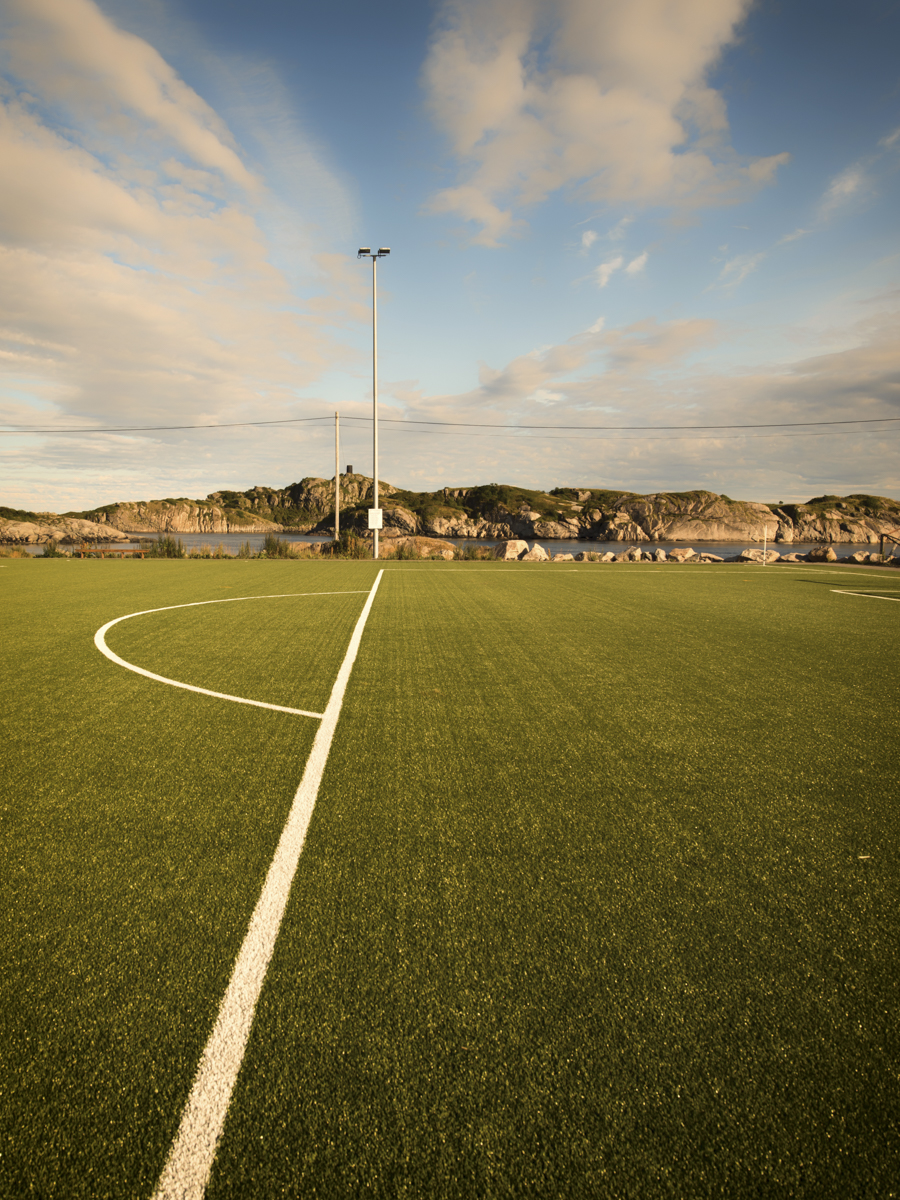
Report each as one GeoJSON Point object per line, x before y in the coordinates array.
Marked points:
{"type": "Point", "coordinates": [495, 511]}
{"type": "Point", "coordinates": [180, 516]}
{"type": "Point", "coordinates": [70, 530]}
{"type": "Point", "coordinates": [302, 507]}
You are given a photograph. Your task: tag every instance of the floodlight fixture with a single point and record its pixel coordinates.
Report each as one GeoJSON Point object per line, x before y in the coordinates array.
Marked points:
{"type": "Point", "coordinates": [384, 249]}
{"type": "Point", "coordinates": [363, 250]}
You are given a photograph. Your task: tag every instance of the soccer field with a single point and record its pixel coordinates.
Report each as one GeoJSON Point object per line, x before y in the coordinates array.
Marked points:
{"type": "Point", "coordinates": [599, 896]}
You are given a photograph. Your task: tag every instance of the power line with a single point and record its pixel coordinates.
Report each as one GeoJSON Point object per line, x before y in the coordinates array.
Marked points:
{"type": "Point", "coordinates": [576, 430]}
{"type": "Point", "coordinates": [739, 437]}
{"type": "Point", "coordinates": [762, 425]}
{"type": "Point", "coordinates": [160, 428]}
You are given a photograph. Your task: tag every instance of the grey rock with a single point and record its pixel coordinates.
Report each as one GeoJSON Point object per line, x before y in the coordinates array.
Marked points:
{"type": "Point", "coordinates": [681, 554]}
{"type": "Point", "coordinates": [563, 558]}
{"type": "Point", "coordinates": [822, 554]}
{"type": "Point", "coordinates": [535, 554]}
{"type": "Point", "coordinates": [758, 556]}
{"type": "Point", "coordinates": [508, 551]}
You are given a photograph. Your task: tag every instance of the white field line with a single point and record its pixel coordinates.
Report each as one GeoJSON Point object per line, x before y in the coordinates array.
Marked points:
{"type": "Point", "coordinates": [866, 596]}
{"type": "Point", "coordinates": [100, 643]}
{"type": "Point", "coordinates": [872, 572]}
{"type": "Point", "coordinates": [190, 1160]}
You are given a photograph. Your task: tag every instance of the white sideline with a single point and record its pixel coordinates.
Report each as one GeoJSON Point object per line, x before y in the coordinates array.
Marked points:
{"type": "Point", "coordinates": [100, 643]}
{"type": "Point", "coordinates": [866, 596]}
{"type": "Point", "coordinates": [190, 1160]}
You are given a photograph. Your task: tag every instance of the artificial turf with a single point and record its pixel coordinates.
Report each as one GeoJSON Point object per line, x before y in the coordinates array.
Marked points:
{"type": "Point", "coordinates": [599, 896]}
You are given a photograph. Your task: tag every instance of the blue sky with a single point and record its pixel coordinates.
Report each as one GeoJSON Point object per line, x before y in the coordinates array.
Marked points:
{"type": "Point", "coordinates": [606, 218]}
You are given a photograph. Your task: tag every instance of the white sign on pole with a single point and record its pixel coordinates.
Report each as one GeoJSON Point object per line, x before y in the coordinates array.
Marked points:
{"type": "Point", "coordinates": [375, 518]}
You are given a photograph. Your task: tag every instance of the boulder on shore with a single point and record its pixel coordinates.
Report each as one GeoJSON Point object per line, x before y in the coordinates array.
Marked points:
{"type": "Point", "coordinates": [563, 558]}
{"type": "Point", "coordinates": [758, 556]}
{"type": "Point", "coordinates": [681, 554]}
{"type": "Point", "coordinates": [535, 554]}
{"type": "Point", "coordinates": [509, 551]}
{"type": "Point", "coordinates": [822, 554]}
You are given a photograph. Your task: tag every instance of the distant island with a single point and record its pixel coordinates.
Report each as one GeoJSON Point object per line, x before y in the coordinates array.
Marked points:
{"type": "Point", "coordinates": [491, 510]}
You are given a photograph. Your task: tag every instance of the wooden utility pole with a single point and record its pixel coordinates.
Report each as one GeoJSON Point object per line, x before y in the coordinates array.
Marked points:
{"type": "Point", "coordinates": [337, 477]}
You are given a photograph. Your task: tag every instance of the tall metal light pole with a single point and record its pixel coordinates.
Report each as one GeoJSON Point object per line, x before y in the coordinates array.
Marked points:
{"type": "Point", "coordinates": [375, 521]}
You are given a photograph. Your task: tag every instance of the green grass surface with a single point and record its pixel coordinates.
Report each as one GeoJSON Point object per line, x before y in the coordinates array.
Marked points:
{"type": "Point", "coordinates": [599, 896]}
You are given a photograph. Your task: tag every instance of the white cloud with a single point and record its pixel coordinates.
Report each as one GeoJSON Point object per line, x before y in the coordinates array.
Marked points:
{"type": "Point", "coordinates": [656, 373]}
{"type": "Point", "coordinates": [618, 231]}
{"type": "Point", "coordinates": [637, 264]}
{"type": "Point", "coordinates": [606, 270]}
{"type": "Point", "coordinates": [76, 56]}
{"type": "Point", "coordinates": [140, 278]}
{"type": "Point", "coordinates": [588, 238]}
{"type": "Point", "coordinates": [597, 325]}
{"type": "Point", "coordinates": [610, 99]}
{"type": "Point", "coordinates": [842, 189]}
{"type": "Point", "coordinates": [792, 237]}
{"type": "Point", "coordinates": [738, 268]}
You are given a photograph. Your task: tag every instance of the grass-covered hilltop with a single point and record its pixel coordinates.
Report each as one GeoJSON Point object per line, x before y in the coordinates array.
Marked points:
{"type": "Point", "coordinates": [493, 511]}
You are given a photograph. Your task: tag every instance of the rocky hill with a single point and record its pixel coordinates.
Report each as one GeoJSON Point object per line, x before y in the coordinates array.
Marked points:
{"type": "Point", "coordinates": [496, 511]}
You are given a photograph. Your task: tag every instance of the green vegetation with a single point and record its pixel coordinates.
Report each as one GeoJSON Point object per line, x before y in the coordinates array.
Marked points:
{"type": "Point", "coordinates": [51, 550]}
{"type": "Point", "coordinates": [598, 899]}
{"type": "Point", "coordinates": [167, 547]}
{"type": "Point", "coordinates": [17, 514]}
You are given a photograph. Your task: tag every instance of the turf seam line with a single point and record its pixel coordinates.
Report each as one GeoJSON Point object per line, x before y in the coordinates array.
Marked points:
{"type": "Point", "coordinates": [100, 643]}
{"type": "Point", "coordinates": [190, 1160]}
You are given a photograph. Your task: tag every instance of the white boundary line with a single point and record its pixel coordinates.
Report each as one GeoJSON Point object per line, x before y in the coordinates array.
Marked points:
{"type": "Point", "coordinates": [100, 643]}
{"type": "Point", "coordinates": [190, 1160]}
{"type": "Point", "coordinates": [866, 596]}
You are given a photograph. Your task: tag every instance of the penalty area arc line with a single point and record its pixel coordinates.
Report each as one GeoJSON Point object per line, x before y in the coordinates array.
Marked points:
{"type": "Point", "coordinates": [187, 1169]}
{"type": "Point", "coordinates": [100, 643]}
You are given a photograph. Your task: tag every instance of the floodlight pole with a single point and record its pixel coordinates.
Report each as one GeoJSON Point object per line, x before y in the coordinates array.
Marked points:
{"type": "Point", "coordinates": [375, 393]}
{"type": "Point", "coordinates": [366, 252]}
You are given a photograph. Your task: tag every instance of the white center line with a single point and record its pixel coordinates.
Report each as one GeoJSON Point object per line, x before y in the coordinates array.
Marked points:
{"type": "Point", "coordinates": [190, 1160]}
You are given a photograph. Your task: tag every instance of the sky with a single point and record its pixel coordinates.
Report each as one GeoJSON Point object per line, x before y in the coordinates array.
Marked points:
{"type": "Point", "coordinates": [649, 245]}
